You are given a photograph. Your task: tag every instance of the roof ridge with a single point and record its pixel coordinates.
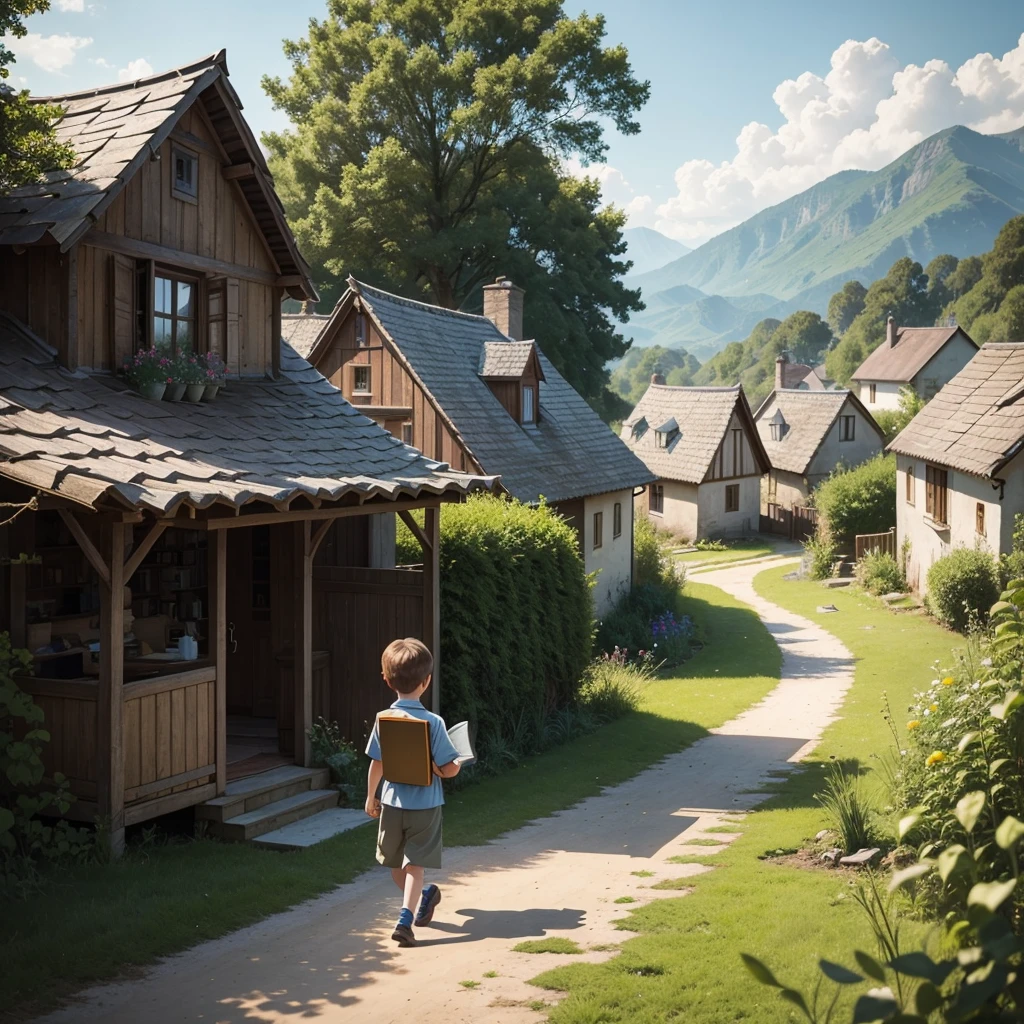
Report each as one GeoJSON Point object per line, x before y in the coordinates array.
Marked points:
{"type": "Point", "coordinates": [217, 58]}
{"type": "Point", "coordinates": [360, 286]}
{"type": "Point", "coordinates": [697, 387]}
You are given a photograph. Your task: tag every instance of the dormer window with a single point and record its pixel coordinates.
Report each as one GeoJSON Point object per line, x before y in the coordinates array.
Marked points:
{"type": "Point", "coordinates": [666, 433]}
{"type": "Point", "coordinates": [777, 425]}
{"type": "Point", "coordinates": [637, 428]}
{"type": "Point", "coordinates": [529, 405]}
{"type": "Point", "coordinates": [185, 169]}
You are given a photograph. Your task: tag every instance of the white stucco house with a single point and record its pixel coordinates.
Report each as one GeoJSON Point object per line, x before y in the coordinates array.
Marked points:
{"type": "Point", "coordinates": [960, 463]}
{"type": "Point", "coordinates": [807, 435]}
{"type": "Point", "coordinates": [704, 449]}
{"type": "Point", "coordinates": [926, 358]}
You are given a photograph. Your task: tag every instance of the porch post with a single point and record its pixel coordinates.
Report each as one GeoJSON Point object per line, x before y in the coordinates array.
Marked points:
{"type": "Point", "coordinates": [217, 577]}
{"type": "Point", "coordinates": [432, 598]}
{"type": "Point", "coordinates": [303, 634]}
{"type": "Point", "coordinates": [110, 776]}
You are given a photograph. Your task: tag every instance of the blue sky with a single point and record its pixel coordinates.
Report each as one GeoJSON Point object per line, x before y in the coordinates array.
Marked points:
{"type": "Point", "coordinates": [713, 67]}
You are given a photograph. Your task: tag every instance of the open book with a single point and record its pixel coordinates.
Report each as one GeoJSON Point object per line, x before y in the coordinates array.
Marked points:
{"type": "Point", "coordinates": [459, 735]}
{"type": "Point", "coordinates": [405, 748]}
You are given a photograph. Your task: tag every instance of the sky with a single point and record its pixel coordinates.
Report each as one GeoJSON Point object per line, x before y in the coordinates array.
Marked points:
{"type": "Point", "coordinates": [751, 101]}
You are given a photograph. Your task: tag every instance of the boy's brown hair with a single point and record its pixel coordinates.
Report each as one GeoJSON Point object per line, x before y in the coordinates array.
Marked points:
{"type": "Point", "coordinates": [405, 664]}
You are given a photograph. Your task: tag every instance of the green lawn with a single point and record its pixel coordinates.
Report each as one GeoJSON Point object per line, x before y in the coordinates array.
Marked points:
{"type": "Point", "coordinates": [684, 963]}
{"type": "Point", "coordinates": [97, 922]}
{"type": "Point", "coordinates": [737, 551]}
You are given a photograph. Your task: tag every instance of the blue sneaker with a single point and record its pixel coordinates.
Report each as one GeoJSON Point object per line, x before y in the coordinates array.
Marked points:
{"type": "Point", "coordinates": [428, 901]}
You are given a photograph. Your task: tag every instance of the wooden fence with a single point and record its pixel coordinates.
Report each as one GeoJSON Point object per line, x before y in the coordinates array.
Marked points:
{"type": "Point", "coordinates": [797, 523]}
{"type": "Point", "coordinates": [880, 543]}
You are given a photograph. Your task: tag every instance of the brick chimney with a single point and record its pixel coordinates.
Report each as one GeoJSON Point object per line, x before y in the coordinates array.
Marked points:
{"type": "Point", "coordinates": [781, 362]}
{"type": "Point", "coordinates": [890, 332]}
{"type": "Point", "coordinates": [657, 378]}
{"type": "Point", "coordinates": [503, 304]}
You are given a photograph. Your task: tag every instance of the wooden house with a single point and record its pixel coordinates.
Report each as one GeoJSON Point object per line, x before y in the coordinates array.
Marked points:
{"type": "Point", "coordinates": [255, 524]}
{"type": "Point", "coordinates": [704, 449]}
{"type": "Point", "coordinates": [469, 391]}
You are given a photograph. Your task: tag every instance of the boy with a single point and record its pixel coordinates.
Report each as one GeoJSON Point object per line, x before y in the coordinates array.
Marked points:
{"type": "Point", "coordinates": [409, 836]}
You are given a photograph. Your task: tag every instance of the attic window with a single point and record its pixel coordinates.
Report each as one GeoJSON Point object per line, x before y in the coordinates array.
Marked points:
{"type": "Point", "coordinates": [666, 433]}
{"type": "Point", "coordinates": [777, 426]}
{"type": "Point", "coordinates": [360, 380]}
{"type": "Point", "coordinates": [361, 330]}
{"type": "Point", "coordinates": [529, 414]}
{"type": "Point", "coordinates": [639, 427]}
{"type": "Point", "coordinates": [185, 165]}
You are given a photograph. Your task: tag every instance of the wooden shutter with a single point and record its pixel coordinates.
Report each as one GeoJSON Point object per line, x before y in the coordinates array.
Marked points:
{"type": "Point", "coordinates": [122, 309]}
{"type": "Point", "coordinates": [233, 320]}
{"type": "Point", "coordinates": [216, 316]}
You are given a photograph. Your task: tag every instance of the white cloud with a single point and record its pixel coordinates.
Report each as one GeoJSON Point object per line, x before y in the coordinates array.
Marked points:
{"type": "Point", "coordinates": [864, 113]}
{"type": "Point", "coordinates": [101, 62]}
{"type": "Point", "coordinates": [76, 6]}
{"type": "Point", "coordinates": [51, 53]}
{"type": "Point", "coordinates": [615, 189]}
{"type": "Point", "coordinates": [136, 69]}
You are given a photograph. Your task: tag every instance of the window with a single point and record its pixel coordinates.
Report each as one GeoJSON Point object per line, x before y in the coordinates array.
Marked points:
{"type": "Point", "coordinates": [617, 520]}
{"type": "Point", "coordinates": [185, 167]}
{"type": "Point", "coordinates": [528, 416]}
{"type": "Point", "coordinates": [598, 529]}
{"type": "Point", "coordinates": [174, 312]}
{"type": "Point", "coordinates": [872, 393]}
{"type": "Point", "coordinates": [361, 330]}
{"type": "Point", "coordinates": [657, 499]}
{"type": "Point", "coordinates": [406, 433]}
{"type": "Point", "coordinates": [910, 484]}
{"type": "Point", "coordinates": [846, 428]}
{"type": "Point", "coordinates": [936, 494]}
{"type": "Point", "coordinates": [979, 519]}
{"type": "Point", "coordinates": [360, 380]}
{"type": "Point", "coordinates": [777, 425]}
{"type": "Point", "coordinates": [732, 497]}
{"type": "Point", "coordinates": [737, 453]}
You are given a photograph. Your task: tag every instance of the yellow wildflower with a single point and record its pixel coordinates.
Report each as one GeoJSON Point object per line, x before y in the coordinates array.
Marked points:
{"type": "Point", "coordinates": [948, 681]}
{"type": "Point", "coordinates": [935, 757]}
{"type": "Point", "coordinates": [933, 707]}
{"type": "Point", "coordinates": [913, 724]}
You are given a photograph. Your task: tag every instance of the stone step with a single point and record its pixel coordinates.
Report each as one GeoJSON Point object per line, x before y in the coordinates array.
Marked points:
{"type": "Point", "coordinates": [310, 831]}
{"type": "Point", "coordinates": [256, 791]}
{"type": "Point", "coordinates": [275, 815]}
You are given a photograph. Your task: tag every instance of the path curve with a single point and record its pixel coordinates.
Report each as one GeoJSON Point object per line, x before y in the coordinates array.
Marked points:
{"type": "Point", "coordinates": [332, 959]}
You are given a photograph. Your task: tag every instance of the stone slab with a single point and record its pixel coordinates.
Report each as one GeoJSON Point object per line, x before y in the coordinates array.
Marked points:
{"type": "Point", "coordinates": [312, 830]}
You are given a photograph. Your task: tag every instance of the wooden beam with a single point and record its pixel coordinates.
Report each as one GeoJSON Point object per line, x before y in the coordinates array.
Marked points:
{"type": "Point", "coordinates": [235, 171]}
{"type": "Point", "coordinates": [273, 518]}
{"type": "Point", "coordinates": [181, 779]}
{"type": "Point", "coordinates": [144, 547]}
{"type": "Point", "coordinates": [303, 640]}
{"type": "Point", "coordinates": [318, 536]}
{"type": "Point", "coordinates": [192, 141]}
{"type": "Point", "coordinates": [432, 599]}
{"type": "Point", "coordinates": [290, 281]}
{"type": "Point", "coordinates": [165, 804]}
{"type": "Point", "coordinates": [275, 331]}
{"type": "Point", "coordinates": [414, 529]}
{"type": "Point", "coordinates": [96, 560]}
{"type": "Point", "coordinates": [161, 253]}
{"type": "Point", "coordinates": [168, 683]}
{"type": "Point", "coordinates": [110, 751]}
{"type": "Point", "coordinates": [217, 581]}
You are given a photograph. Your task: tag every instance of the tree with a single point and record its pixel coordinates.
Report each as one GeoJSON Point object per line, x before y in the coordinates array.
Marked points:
{"type": "Point", "coordinates": [1004, 262]}
{"type": "Point", "coordinates": [632, 376]}
{"type": "Point", "coordinates": [965, 277]}
{"type": "Point", "coordinates": [938, 273]}
{"type": "Point", "coordinates": [845, 306]}
{"type": "Point", "coordinates": [804, 335]}
{"type": "Point", "coordinates": [27, 143]}
{"type": "Point", "coordinates": [427, 155]}
{"type": "Point", "coordinates": [1009, 321]}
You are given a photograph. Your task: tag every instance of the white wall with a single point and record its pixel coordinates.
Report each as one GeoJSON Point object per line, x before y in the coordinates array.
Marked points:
{"type": "Point", "coordinates": [680, 508]}
{"type": "Point", "coordinates": [786, 489]}
{"type": "Point", "coordinates": [714, 521]}
{"type": "Point", "coordinates": [613, 561]}
{"type": "Point", "coordinates": [865, 444]}
{"type": "Point", "coordinates": [944, 366]}
{"type": "Point", "coordinates": [887, 395]}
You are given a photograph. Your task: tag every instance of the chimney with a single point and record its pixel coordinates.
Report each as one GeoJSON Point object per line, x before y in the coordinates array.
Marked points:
{"type": "Point", "coordinates": [890, 332]}
{"type": "Point", "coordinates": [308, 307]}
{"type": "Point", "coordinates": [503, 304]}
{"type": "Point", "coordinates": [657, 377]}
{"type": "Point", "coordinates": [781, 361]}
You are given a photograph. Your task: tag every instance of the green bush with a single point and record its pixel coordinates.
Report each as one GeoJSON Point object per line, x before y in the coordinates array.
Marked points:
{"type": "Point", "coordinates": [879, 573]}
{"type": "Point", "coordinates": [347, 764]}
{"type": "Point", "coordinates": [1011, 565]}
{"type": "Point", "coordinates": [612, 690]}
{"type": "Point", "coordinates": [847, 811]}
{"type": "Point", "coordinates": [859, 500]}
{"type": "Point", "coordinates": [962, 586]}
{"type": "Point", "coordinates": [821, 550]}
{"type": "Point", "coordinates": [652, 564]}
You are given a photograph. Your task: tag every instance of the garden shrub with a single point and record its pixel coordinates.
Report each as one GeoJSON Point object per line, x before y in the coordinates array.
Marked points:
{"type": "Point", "coordinates": [962, 585]}
{"type": "Point", "coordinates": [821, 553]}
{"type": "Point", "coordinates": [652, 564]}
{"type": "Point", "coordinates": [329, 749]}
{"type": "Point", "coordinates": [859, 500]}
{"type": "Point", "coordinates": [879, 573]}
{"type": "Point", "coordinates": [1011, 565]}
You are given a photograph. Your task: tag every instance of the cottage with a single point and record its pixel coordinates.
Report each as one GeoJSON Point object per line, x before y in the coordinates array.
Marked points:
{"type": "Point", "coordinates": [470, 391]}
{"type": "Point", "coordinates": [798, 376]}
{"type": "Point", "coordinates": [959, 467]}
{"type": "Point", "coordinates": [197, 582]}
{"type": "Point", "coordinates": [703, 447]}
{"type": "Point", "coordinates": [923, 358]}
{"type": "Point", "coordinates": [807, 435]}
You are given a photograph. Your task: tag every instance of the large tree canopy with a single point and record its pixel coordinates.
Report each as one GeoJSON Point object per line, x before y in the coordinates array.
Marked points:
{"type": "Point", "coordinates": [27, 144]}
{"type": "Point", "coordinates": [427, 155]}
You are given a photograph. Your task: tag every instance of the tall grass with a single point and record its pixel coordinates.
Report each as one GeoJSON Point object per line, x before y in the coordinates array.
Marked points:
{"type": "Point", "coordinates": [846, 810]}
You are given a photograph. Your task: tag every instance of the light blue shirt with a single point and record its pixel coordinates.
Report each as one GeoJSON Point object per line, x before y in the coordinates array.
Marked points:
{"type": "Point", "coordinates": [400, 794]}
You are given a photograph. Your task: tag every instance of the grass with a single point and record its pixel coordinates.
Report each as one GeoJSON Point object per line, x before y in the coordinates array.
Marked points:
{"type": "Point", "coordinates": [705, 842]}
{"type": "Point", "coordinates": [470, 984]}
{"type": "Point", "coordinates": [696, 940]}
{"type": "Point", "coordinates": [101, 921]}
{"type": "Point", "coordinates": [553, 944]}
{"type": "Point", "coordinates": [643, 874]}
{"type": "Point", "coordinates": [490, 974]}
{"type": "Point", "coordinates": [737, 551]}
{"type": "Point", "coordinates": [625, 899]}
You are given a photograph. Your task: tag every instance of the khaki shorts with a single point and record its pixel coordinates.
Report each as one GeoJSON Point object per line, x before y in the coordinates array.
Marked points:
{"type": "Point", "coordinates": [409, 837]}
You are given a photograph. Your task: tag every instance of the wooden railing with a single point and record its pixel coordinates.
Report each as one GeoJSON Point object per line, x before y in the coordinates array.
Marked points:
{"type": "Point", "coordinates": [880, 543]}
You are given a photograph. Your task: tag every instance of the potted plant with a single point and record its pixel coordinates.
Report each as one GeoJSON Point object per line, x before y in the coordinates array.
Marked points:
{"type": "Point", "coordinates": [149, 372]}
{"type": "Point", "coordinates": [175, 380]}
{"type": "Point", "coordinates": [215, 371]}
{"type": "Point", "coordinates": [192, 372]}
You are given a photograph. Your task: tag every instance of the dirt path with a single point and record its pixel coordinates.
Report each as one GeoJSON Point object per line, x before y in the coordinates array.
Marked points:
{"type": "Point", "coordinates": [332, 959]}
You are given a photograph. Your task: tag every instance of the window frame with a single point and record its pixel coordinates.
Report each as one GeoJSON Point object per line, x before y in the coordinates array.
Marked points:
{"type": "Point", "coordinates": [732, 491]}
{"type": "Point", "coordinates": [617, 520]}
{"type": "Point", "coordinates": [407, 432]}
{"type": "Point", "coordinates": [656, 500]}
{"type": "Point", "coordinates": [357, 369]}
{"type": "Point", "coordinates": [360, 331]}
{"type": "Point", "coordinates": [936, 495]}
{"type": "Point", "coordinates": [872, 394]}
{"type": "Point", "coordinates": [979, 519]}
{"type": "Point", "coordinates": [528, 390]}
{"type": "Point", "coordinates": [598, 537]}
{"type": "Point", "coordinates": [910, 486]}
{"type": "Point", "coordinates": [186, 195]}
{"type": "Point", "coordinates": [176, 277]}
{"type": "Point", "coordinates": [847, 428]}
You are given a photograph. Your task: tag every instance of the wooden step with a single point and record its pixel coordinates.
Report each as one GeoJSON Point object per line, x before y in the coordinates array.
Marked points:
{"type": "Point", "coordinates": [258, 791]}
{"type": "Point", "coordinates": [310, 831]}
{"type": "Point", "coordinates": [273, 816]}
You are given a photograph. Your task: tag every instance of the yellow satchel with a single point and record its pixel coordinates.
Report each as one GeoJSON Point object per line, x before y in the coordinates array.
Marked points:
{"type": "Point", "coordinates": [405, 749]}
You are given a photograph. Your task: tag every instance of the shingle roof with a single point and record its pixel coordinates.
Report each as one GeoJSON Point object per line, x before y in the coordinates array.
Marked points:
{"type": "Point", "coordinates": [569, 453]}
{"type": "Point", "coordinates": [809, 416]}
{"type": "Point", "coordinates": [95, 441]}
{"type": "Point", "coordinates": [976, 422]}
{"type": "Point", "coordinates": [914, 348]}
{"type": "Point", "coordinates": [505, 359]}
{"type": "Point", "coordinates": [796, 373]}
{"type": "Point", "coordinates": [301, 330]}
{"type": "Point", "coordinates": [114, 130]}
{"type": "Point", "coordinates": [704, 414]}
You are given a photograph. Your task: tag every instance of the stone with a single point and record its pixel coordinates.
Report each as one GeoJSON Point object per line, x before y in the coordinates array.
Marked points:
{"type": "Point", "coordinates": [826, 608]}
{"type": "Point", "coordinates": [823, 834]}
{"type": "Point", "coordinates": [894, 596]}
{"type": "Point", "coordinates": [862, 858]}
{"type": "Point", "coordinates": [834, 584]}
{"type": "Point", "coordinates": [831, 857]}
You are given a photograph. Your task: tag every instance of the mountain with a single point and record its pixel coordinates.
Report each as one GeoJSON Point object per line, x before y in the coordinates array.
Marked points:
{"type": "Point", "coordinates": [951, 193]}
{"type": "Point", "coordinates": [650, 249]}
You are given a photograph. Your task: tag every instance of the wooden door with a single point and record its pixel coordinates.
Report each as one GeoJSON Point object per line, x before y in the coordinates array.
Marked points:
{"type": "Point", "coordinates": [252, 672]}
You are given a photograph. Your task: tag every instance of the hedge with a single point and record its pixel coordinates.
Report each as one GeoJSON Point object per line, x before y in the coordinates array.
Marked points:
{"type": "Point", "coordinates": [859, 500]}
{"type": "Point", "coordinates": [962, 586]}
{"type": "Point", "coordinates": [516, 617]}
